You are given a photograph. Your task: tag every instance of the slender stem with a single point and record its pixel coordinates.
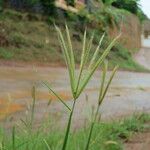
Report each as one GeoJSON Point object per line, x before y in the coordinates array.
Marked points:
{"type": "Point", "coordinates": [33, 106]}
{"type": "Point", "coordinates": [68, 126]}
{"type": "Point", "coordinates": [92, 127]}
{"type": "Point", "coordinates": [13, 138]}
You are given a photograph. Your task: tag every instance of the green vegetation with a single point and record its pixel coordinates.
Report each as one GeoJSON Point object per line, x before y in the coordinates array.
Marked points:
{"type": "Point", "coordinates": [33, 39]}
{"type": "Point", "coordinates": [129, 5]}
{"type": "Point", "coordinates": [49, 6]}
{"type": "Point", "coordinates": [106, 135]}
{"type": "Point", "coordinates": [1, 5]}
{"type": "Point", "coordinates": [132, 6]}
{"type": "Point", "coordinates": [5, 54]}
{"type": "Point", "coordinates": [70, 2]}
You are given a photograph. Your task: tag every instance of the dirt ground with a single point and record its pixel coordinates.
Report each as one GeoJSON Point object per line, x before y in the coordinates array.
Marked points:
{"type": "Point", "coordinates": [140, 141]}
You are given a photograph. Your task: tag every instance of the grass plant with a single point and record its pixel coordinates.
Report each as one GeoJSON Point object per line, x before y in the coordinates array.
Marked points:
{"type": "Point", "coordinates": [79, 81]}
{"type": "Point", "coordinates": [105, 136]}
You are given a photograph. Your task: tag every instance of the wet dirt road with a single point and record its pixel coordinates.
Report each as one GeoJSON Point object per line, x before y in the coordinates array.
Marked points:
{"type": "Point", "coordinates": [129, 93]}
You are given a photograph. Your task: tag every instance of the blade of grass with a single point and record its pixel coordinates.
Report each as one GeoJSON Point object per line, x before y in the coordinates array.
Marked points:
{"type": "Point", "coordinates": [72, 60]}
{"type": "Point", "coordinates": [63, 45]}
{"type": "Point", "coordinates": [1, 146]}
{"type": "Point", "coordinates": [108, 84]}
{"type": "Point", "coordinates": [48, 147]}
{"type": "Point", "coordinates": [33, 105]}
{"type": "Point", "coordinates": [59, 98]}
{"type": "Point", "coordinates": [96, 52]}
{"type": "Point", "coordinates": [13, 139]}
{"type": "Point", "coordinates": [67, 58]}
{"type": "Point", "coordinates": [20, 145]}
{"type": "Point", "coordinates": [24, 122]}
{"type": "Point", "coordinates": [82, 61]}
{"type": "Point", "coordinates": [2, 139]}
{"type": "Point", "coordinates": [83, 50]}
{"type": "Point", "coordinates": [103, 80]}
{"type": "Point", "coordinates": [89, 48]}
{"type": "Point", "coordinates": [89, 136]}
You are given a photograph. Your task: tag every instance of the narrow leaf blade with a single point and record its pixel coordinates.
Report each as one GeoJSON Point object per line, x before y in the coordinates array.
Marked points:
{"type": "Point", "coordinates": [59, 98]}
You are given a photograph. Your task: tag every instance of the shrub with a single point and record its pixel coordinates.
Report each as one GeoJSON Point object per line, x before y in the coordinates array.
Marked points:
{"type": "Point", "coordinates": [1, 5]}
{"type": "Point", "coordinates": [48, 6]}
{"type": "Point", "coordinates": [70, 2]}
{"type": "Point", "coordinates": [5, 54]}
{"type": "Point", "coordinates": [129, 5]}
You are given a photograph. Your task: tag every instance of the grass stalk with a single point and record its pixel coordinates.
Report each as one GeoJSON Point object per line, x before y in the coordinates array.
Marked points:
{"type": "Point", "coordinates": [47, 145]}
{"type": "Point", "coordinates": [96, 52]}
{"type": "Point", "coordinates": [33, 106]}
{"type": "Point", "coordinates": [13, 138]}
{"type": "Point", "coordinates": [102, 95]}
{"type": "Point", "coordinates": [77, 86]}
{"type": "Point", "coordinates": [59, 98]}
{"type": "Point", "coordinates": [91, 129]}
{"type": "Point", "coordinates": [68, 126]}
{"type": "Point", "coordinates": [82, 63]}
{"type": "Point", "coordinates": [89, 47]}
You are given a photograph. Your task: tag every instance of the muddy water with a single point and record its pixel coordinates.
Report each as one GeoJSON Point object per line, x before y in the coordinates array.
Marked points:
{"type": "Point", "coordinates": [129, 93]}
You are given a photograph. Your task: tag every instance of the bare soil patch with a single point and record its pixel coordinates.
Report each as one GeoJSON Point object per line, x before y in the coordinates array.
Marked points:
{"type": "Point", "coordinates": [140, 141]}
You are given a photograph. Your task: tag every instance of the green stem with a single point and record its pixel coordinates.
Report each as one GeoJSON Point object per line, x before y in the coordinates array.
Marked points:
{"type": "Point", "coordinates": [68, 126]}
{"type": "Point", "coordinates": [91, 128]}
{"type": "Point", "coordinates": [13, 138]}
{"type": "Point", "coordinates": [33, 107]}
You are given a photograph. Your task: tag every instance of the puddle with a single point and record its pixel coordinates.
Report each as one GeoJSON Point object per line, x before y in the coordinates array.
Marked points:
{"type": "Point", "coordinates": [7, 105]}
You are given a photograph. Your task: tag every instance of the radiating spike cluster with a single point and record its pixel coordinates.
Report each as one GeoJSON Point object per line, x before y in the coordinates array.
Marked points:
{"type": "Point", "coordinates": [78, 85]}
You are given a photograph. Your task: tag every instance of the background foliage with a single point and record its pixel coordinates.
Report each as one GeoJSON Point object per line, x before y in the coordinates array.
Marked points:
{"type": "Point", "coordinates": [132, 6]}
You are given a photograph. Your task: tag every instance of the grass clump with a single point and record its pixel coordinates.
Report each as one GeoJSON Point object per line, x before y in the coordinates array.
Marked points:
{"type": "Point", "coordinates": [106, 135]}
{"type": "Point", "coordinates": [5, 54]}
